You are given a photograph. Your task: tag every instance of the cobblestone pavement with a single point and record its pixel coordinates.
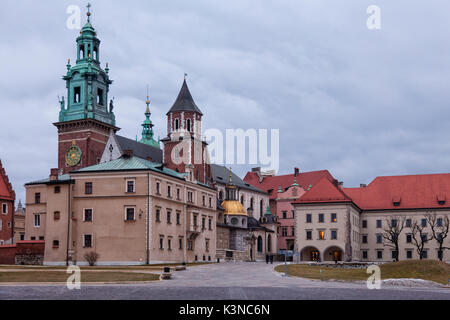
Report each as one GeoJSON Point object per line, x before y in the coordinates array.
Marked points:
{"type": "Point", "coordinates": [226, 281]}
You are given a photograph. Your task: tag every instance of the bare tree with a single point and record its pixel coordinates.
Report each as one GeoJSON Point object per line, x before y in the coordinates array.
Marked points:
{"type": "Point", "coordinates": [440, 227]}
{"type": "Point", "coordinates": [419, 237]}
{"type": "Point", "coordinates": [392, 231]}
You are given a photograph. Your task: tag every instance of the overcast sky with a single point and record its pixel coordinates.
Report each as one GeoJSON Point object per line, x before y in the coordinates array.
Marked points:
{"type": "Point", "coordinates": [358, 102]}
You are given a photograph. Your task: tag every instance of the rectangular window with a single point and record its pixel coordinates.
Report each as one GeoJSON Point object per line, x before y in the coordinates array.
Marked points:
{"type": "Point", "coordinates": [308, 235]}
{"type": "Point", "coordinates": [424, 238]}
{"type": "Point", "coordinates": [88, 188]}
{"type": "Point", "coordinates": [161, 243]}
{"type": "Point", "coordinates": [409, 254]}
{"type": "Point", "coordinates": [210, 223]}
{"type": "Point", "coordinates": [284, 231]}
{"type": "Point", "coordinates": [210, 202]}
{"type": "Point", "coordinates": [4, 208]}
{"type": "Point", "coordinates": [169, 214]}
{"type": "Point", "coordinates": [87, 215]}
{"type": "Point", "coordinates": [364, 238]}
{"type": "Point", "coordinates": [158, 215]}
{"type": "Point", "coordinates": [56, 216]}
{"type": "Point", "coordinates": [37, 198]}
{"type": "Point", "coordinates": [424, 222]}
{"type": "Point", "coordinates": [379, 238]}
{"type": "Point", "coordinates": [57, 189]}
{"type": "Point", "coordinates": [37, 220]}
{"type": "Point", "coordinates": [180, 243]}
{"type": "Point", "coordinates": [333, 234]}
{"type": "Point", "coordinates": [364, 223]}
{"type": "Point", "coordinates": [408, 238]}
{"type": "Point", "coordinates": [76, 94]}
{"type": "Point", "coordinates": [203, 223]}
{"type": "Point", "coordinates": [394, 254]}
{"type": "Point", "coordinates": [190, 197]}
{"type": "Point", "coordinates": [207, 245]}
{"type": "Point", "coordinates": [394, 223]}
{"type": "Point", "coordinates": [22, 236]}
{"type": "Point", "coordinates": [169, 244]}
{"type": "Point", "coordinates": [190, 245]}
{"type": "Point", "coordinates": [321, 217]}
{"type": "Point", "coordinates": [100, 97]}
{"type": "Point", "coordinates": [425, 254]}
{"type": "Point", "coordinates": [158, 191]}
{"type": "Point", "coordinates": [130, 214]}
{"type": "Point", "coordinates": [408, 223]}
{"type": "Point", "coordinates": [284, 214]}
{"type": "Point", "coordinates": [308, 218]}
{"type": "Point", "coordinates": [130, 186]}
{"type": "Point", "coordinates": [178, 218]}
{"type": "Point", "coordinates": [293, 231]}
{"type": "Point", "coordinates": [87, 241]}
{"type": "Point", "coordinates": [195, 220]}
{"type": "Point", "coordinates": [379, 254]}
{"type": "Point", "coordinates": [321, 235]}
{"type": "Point", "coordinates": [333, 217]}
{"type": "Point", "coordinates": [178, 194]}
{"type": "Point", "coordinates": [439, 222]}
{"type": "Point", "coordinates": [365, 255]}
{"type": "Point", "coordinates": [41, 238]}
{"type": "Point", "coordinates": [169, 192]}
{"type": "Point", "coordinates": [379, 223]}
{"type": "Point", "coordinates": [204, 201]}
{"type": "Point", "coordinates": [55, 244]}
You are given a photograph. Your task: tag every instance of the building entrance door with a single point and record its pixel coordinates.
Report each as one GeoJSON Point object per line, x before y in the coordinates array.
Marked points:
{"type": "Point", "coordinates": [315, 255]}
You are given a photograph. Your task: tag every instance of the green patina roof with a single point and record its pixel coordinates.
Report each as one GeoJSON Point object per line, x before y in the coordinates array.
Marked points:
{"type": "Point", "coordinates": [129, 164]}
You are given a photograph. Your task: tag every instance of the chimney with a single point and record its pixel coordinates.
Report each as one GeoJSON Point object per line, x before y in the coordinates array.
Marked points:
{"type": "Point", "coordinates": [54, 173]}
{"type": "Point", "coordinates": [296, 172]}
{"type": "Point", "coordinates": [363, 185]}
{"type": "Point", "coordinates": [128, 153]}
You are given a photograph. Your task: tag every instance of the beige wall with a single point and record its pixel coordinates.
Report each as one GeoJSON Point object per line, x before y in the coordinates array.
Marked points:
{"type": "Point", "coordinates": [371, 231]}
{"type": "Point", "coordinates": [327, 245]}
{"type": "Point", "coordinates": [356, 232]}
{"type": "Point", "coordinates": [116, 240]}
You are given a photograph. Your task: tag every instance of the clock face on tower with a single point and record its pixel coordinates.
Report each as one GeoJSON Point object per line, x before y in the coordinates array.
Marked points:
{"type": "Point", "coordinates": [73, 156]}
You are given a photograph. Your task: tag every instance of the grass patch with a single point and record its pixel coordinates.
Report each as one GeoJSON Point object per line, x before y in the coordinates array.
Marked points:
{"type": "Point", "coordinates": [432, 270]}
{"type": "Point", "coordinates": [60, 276]}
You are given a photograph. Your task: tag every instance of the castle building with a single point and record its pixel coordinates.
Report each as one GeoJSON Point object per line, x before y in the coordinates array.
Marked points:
{"type": "Point", "coordinates": [282, 190]}
{"type": "Point", "coordinates": [240, 236]}
{"type": "Point", "coordinates": [334, 223]}
{"type": "Point", "coordinates": [118, 197]}
{"type": "Point", "coordinates": [7, 198]}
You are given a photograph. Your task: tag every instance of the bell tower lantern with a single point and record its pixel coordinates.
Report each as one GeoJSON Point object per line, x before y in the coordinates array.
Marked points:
{"type": "Point", "coordinates": [85, 118]}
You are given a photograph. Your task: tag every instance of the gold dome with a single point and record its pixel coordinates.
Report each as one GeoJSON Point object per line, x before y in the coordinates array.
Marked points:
{"type": "Point", "coordinates": [233, 207]}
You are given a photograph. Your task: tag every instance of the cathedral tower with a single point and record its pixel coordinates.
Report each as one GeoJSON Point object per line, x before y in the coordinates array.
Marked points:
{"type": "Point", "coordinates": [184, 149]}
{"type": "Point", "coordinates": [85, 119]}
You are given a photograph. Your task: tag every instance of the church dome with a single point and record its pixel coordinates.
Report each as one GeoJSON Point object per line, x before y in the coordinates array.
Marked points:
{"type": "Point", "coordinates": [233, 207]}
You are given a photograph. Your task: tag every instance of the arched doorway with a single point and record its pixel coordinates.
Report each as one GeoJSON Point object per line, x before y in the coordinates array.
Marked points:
{"type": "Point", "coordinates": [333, 253]}
{"type": "Point", "coordinates": [310, 254]}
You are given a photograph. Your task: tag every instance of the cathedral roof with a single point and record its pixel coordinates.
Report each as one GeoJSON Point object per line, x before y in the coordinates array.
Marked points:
{"type": "Point", "coordinates": [184, 101]}
{"type": "Point", "coordinates": [222, 173]}
{"type": "Point", "coordinates": [140, 149]}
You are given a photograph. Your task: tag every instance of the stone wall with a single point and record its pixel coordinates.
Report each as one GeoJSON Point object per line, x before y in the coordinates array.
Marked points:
{"type": "Point", "coordinates": [23, 253]}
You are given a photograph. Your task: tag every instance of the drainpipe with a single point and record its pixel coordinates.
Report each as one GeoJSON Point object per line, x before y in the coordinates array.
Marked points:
{"type": "Point", "coordinates": [68, 225]}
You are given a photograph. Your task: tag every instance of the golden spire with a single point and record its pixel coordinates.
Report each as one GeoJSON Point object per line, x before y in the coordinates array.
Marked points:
{"type": "Point", "coordinates": [147, 102]}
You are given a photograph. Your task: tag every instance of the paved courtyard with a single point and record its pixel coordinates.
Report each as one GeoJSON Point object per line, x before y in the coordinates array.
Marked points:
{"type": "Point", "coordinates": [226, 281]}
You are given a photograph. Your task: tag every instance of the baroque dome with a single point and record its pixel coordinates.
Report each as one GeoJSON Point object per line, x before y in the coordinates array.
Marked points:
{"type": "Point", "coordinates": [233, 207]}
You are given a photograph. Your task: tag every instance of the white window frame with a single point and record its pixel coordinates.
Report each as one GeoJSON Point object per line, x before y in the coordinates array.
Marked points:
{"type": "Point", "coordinates": [84, 214]}
{"type": "Point", "coordinates": [134, 185]}
{"type": "Point", "coordinates": [37, 225]}
{"type": "Point", "coordinates": [83, 238]}
{"type": "Point", "coordinates": [134, 213]}
{"type": "Point", "coordinates": [4, 208]}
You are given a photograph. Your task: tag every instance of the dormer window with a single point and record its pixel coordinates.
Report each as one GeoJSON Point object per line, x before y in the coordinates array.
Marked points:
{"type": "Point", "coordinates": [441, 199]}
{"type": "Point", "coordinates": [396, 201]}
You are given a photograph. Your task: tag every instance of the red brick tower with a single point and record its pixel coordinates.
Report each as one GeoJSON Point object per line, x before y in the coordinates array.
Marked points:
{"type": "Point", "coordinates": [184, 149]}
{"type": "Point", "coordinates": [7, 198]}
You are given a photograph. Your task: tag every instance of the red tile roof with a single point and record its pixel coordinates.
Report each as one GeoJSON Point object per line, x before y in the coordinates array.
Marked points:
{"type": "Point", "coordinates": [6, 190]}
{"type": "Point", "coordinates": [324, 191]}
{"type": "Point", "coordinates": [410, 192]}
{"type": "Point", "coordinates": [304, 180]}
{"type": "Point", "coordinates": [388, 193]}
